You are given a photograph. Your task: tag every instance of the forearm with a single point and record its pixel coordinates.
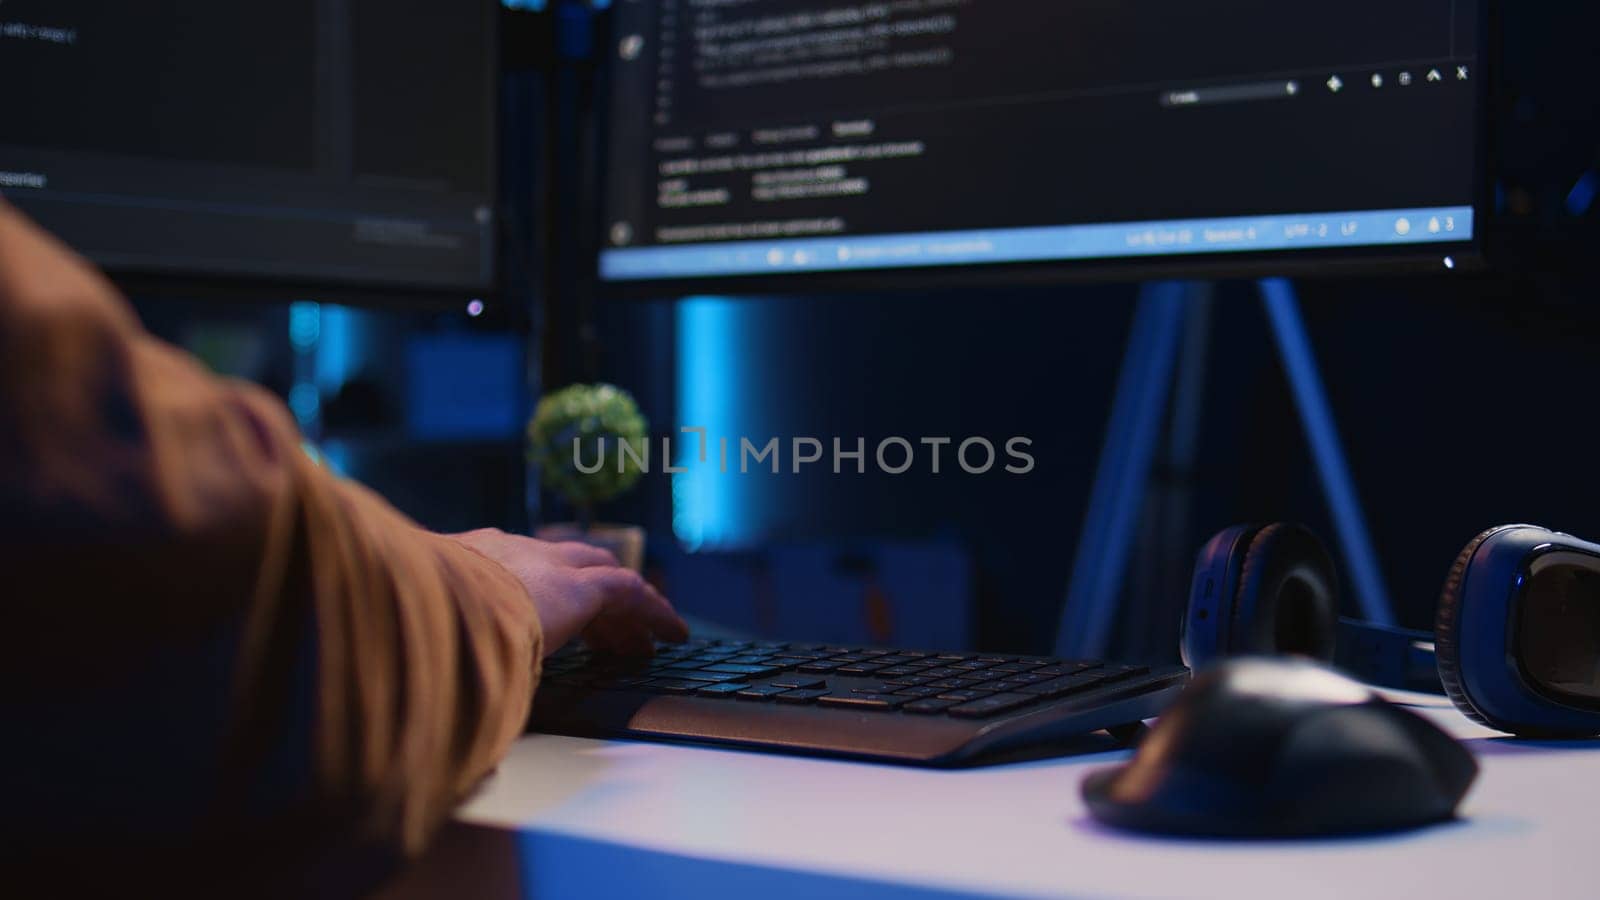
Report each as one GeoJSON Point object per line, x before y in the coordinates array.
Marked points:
{"type": "Point", "coordinates": [154, 511]}
{"type": "Point", "coordinates": [428, 652]}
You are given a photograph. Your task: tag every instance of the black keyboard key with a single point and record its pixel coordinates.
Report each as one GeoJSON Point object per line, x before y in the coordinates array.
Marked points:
{"type": "Point", "coordinates": [1015, 668]}
{"type": "Point", "coordinates": [897, 670]}
{"type": "Point", "coordinates": [928, 706]}
{"type": "Point", "coordinates": [881, 702]}
{"type": "Point", "coordinates": [696, 675]}
{"type": "Point", "coordinates": [800, 654]}
{"type": "Point", "coordinates": [896, 660]}
{"type": "Point", "coordinates": [943, 672]}
{"type": "Point", "coordinates": [860, 668]}
{"type": "Point", "coordinates": [801, 697]}
{"type": "Point", "coordinates": [677, 664]}
{"type": "Point", "coordinates": [908, 680]}
{"type": "Point", "coordinates": [990, 706]}
{"type": "Point", "coordinates": [723, 689]}
{"type": "Point", "coordinates": [752, 671]}
{"type": "Point", "coordinates": [798, 681]}
{"type": "Point", "coordinates": [956, 656]}
{"type": "Point", "coordinates": [1067, 684]}
{"type": "Point", "coordinates": [971, 665]}
{"type": "Point", "coordinates": [917, 692]}
{"type": "Point", "coordinates": [674, 686]}
{"type": "Point", "coordinates": [760, 692]}
{"type": "Point", "coordinates": [748, 660]}
{"type": "Point", "coordinates": [816, 668]}
{"type": "Point", "coordinates": [1003, 686]}
{"type": "Point", "coordinates": [962, 696]}
{"type": "Point", "coordinates": [960, 683]}
{"type": "Point", "coordinates": [875, 687]}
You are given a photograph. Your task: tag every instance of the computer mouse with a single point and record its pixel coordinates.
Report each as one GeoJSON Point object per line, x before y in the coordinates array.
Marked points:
{"type": "Point", "coordinates": [1273, 747]}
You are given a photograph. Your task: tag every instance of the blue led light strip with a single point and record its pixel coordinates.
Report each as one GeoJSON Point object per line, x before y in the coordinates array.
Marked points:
{"type": "Point", "coordinates": [1045, 244]}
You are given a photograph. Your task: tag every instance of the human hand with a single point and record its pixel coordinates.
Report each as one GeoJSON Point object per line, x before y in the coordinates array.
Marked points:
{"type": "Point", "coordinates": [578, 589]}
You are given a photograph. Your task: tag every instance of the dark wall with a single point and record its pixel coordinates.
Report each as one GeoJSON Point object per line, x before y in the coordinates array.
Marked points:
{"type": "Point", "coordinates": [1462, 401]}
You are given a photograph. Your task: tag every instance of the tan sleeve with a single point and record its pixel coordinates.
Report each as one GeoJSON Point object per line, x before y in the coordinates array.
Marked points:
{"type": "Point", "coordinates": [156, 515]}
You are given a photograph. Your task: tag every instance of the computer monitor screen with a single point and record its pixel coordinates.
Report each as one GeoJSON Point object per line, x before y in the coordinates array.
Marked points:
{"type": "Point", "coordinates": [317, 141]}
{"type": "Point", "coordinates": [775, 137]}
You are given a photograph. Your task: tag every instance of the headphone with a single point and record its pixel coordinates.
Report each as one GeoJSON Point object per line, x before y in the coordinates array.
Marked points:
{"type": "Point", "coordinates": [1516, 643]}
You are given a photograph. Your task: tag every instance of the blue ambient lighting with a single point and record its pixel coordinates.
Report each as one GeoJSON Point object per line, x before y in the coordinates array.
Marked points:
{"type": "Point", "coordinates": [305, 403]}
{"type": "Point", "coordinates": [707, 503]}
{"type": "Point", "coordinates": [1582, 195]}
{"type": "Point", "coordinates": [332, 352]}
{"type": "Point", "coordinates": [305, 325]}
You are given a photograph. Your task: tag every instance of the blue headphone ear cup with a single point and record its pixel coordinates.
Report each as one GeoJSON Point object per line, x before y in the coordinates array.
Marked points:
{"type": "Point", "coordinates": [1287, 600]}
{"type": "Point", "coordinates": [1447, 636]}
{"type": "Point", "coordinates": [1207, 622]}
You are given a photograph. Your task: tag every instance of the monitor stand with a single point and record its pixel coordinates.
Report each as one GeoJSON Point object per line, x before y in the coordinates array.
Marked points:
{"type": "Point", "coordinates": [1166, 352]}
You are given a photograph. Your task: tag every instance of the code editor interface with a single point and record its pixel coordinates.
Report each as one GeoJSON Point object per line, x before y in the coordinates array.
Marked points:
{"type": "Point", "coordinates": [759, 122]}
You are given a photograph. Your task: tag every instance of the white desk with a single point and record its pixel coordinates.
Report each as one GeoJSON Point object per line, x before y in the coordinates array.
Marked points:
{"type": "Point", "coordinates": [619, 819]}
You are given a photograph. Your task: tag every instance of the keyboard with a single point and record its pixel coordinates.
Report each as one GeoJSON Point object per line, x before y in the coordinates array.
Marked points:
{"type": "Point", "coordinates": [899, 706]}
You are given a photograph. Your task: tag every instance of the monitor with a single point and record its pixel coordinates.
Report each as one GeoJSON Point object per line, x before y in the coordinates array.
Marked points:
{"type": "Point", "coordinates": [337, 142]}
{"type": "Point", "coordinates": [779, 139]}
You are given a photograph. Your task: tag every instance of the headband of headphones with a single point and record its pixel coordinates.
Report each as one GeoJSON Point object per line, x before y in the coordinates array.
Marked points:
{"type": "Point", "coordinates": [1517, 633]}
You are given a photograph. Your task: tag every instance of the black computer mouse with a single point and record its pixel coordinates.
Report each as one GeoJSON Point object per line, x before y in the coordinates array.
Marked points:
{"type": "Point", "coordinates": [1270, 747]}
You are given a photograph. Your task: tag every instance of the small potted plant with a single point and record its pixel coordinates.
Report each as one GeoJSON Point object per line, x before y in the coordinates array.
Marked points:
{"type": "Point", "coordinates": [588, 424]}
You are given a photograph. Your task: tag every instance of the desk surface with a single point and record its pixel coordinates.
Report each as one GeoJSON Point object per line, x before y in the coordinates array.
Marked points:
{"type": "Point", "coordinates": [615, 818]}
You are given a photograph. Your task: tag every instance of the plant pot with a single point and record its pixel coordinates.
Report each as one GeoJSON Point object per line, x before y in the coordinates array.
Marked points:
{"type": "Point", "coordinates": [626, 542]}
